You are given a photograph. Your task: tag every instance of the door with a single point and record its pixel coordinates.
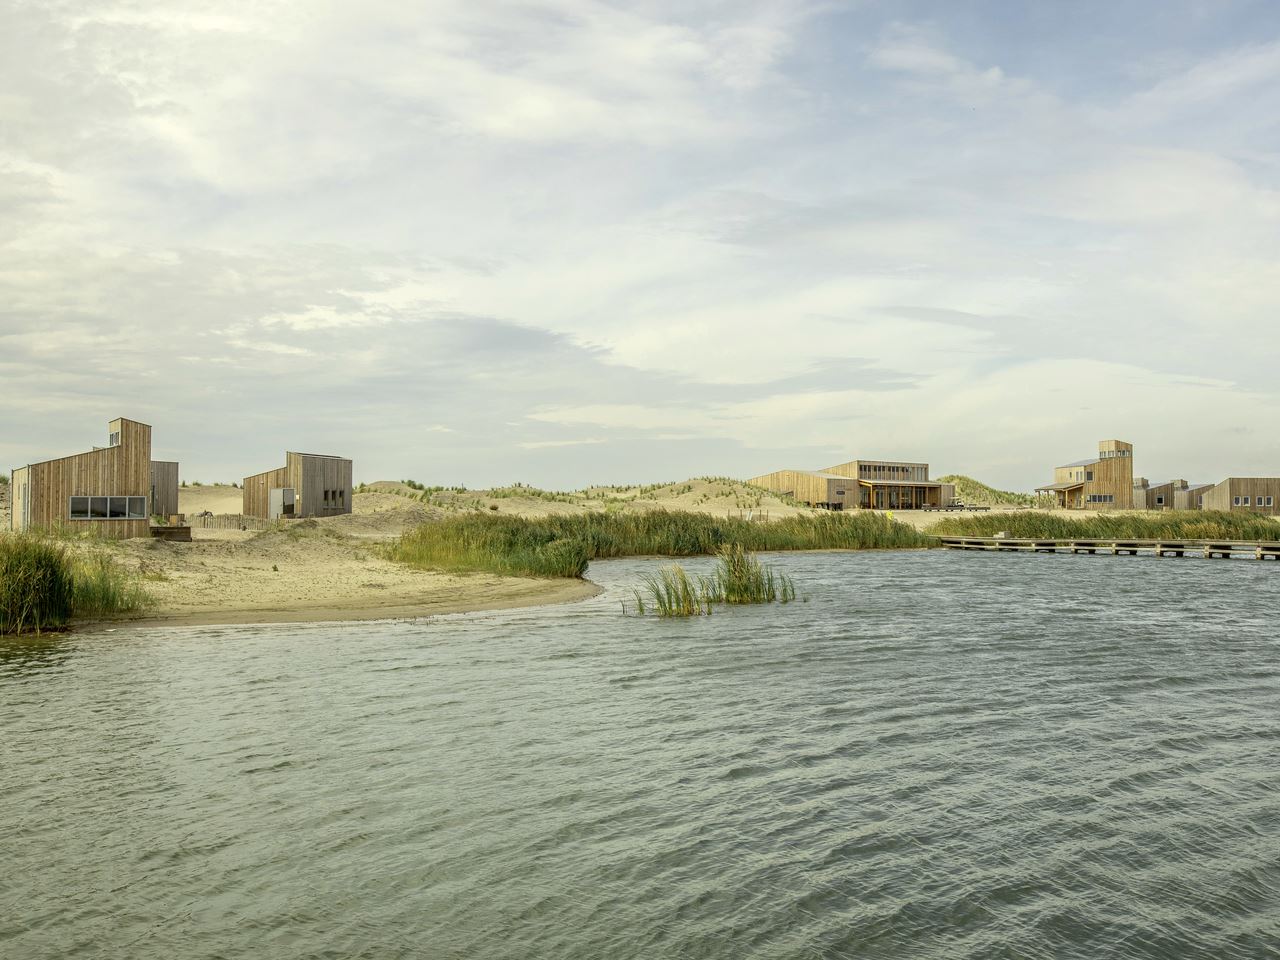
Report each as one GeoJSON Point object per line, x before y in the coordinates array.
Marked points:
{"type": "Point", "coordinates": [280, 503]}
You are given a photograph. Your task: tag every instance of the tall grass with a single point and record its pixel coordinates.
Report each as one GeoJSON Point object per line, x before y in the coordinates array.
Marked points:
{"type": "Point", "coordinates": [739, 578]}
{"type": "Point", "coordinates": [1174, 525]}
{"type": "Point", "coordinates": [36, 585]}
{"type": "Point", "coordinates": [673, 593]}
{"type": "Point", "coordinates": [42, 586]}
{"type": "Point", "coordinates": [102, 589]}
{"type": "Point", "coordinates": [562, 546]}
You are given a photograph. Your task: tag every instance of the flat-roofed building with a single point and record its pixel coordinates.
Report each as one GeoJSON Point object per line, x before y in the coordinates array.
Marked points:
{"type": "Point", "coordinates": [308, 485]}
{"type": "Point", "coordinates": [106, 490]}
{"type": "Point", "coordinates": [813, 488]}
{"type": "Point", "coordinates": [865, 484]}
{"type": "Point", "coordinates": [1104, 482]}
{"type": "Point", "coordinates": [1170, 495]}
{"type": "Point", "coordinates": [1251, 494]}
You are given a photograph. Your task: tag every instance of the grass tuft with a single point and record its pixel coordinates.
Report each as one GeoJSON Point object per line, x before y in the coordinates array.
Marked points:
{"type": "Point", "coordinates": [739, 578]}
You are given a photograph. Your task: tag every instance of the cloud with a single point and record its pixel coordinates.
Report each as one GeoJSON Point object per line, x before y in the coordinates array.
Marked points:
{"type": "Point", "coordinates": [636, 241]}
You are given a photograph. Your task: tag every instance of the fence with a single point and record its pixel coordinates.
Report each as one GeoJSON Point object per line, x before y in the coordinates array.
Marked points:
{"type": "Point", "coordinates": [228, 521]}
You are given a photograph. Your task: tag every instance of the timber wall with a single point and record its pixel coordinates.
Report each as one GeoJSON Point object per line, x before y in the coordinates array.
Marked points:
{"type": "Point", "coordinates": [164, 488]}
{"type": "Point", "coordinates": [123, 470]}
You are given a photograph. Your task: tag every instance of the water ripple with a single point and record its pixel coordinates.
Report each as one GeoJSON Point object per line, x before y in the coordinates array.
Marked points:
{"type": "Point", "coordinates": [936, 756]}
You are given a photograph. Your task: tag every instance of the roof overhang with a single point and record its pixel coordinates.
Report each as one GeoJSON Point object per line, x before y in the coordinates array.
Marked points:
{"type": "Point", "coordinates": [1061, 486]}
{"type": "Point", "coordinates": [900, 483]}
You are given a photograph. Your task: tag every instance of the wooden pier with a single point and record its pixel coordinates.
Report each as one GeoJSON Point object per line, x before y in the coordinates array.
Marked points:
{"type": "Point", "coordinates": [1222, 549]}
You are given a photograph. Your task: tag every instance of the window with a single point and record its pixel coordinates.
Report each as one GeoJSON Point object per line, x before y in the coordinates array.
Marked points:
{"type": "Point", "coordinates": [108, 508]}
{"type": "Point", "coordinates": [1160, 501]}
{"type": "Point", "coordinates": [1245, 500]}
{"type": "Point", "coordinates": [1088, 475]}
{"type": "Point", "coordinates": [1235, 502]}
{"type": "Point", "coordinates": [1270, 501]}
{"type": "Point", "coordinates": [114, 439]}
{"type": "Point", "coordinates": [1200, 502]}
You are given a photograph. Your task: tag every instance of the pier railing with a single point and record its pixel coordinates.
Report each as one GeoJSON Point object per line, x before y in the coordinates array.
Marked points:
{"type": "Point", "coordinates": [1225, 549]}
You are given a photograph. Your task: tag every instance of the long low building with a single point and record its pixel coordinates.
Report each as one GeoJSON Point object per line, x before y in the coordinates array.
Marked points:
{"type": "Point", "coordinates": [861, 484]}
{"type": "Point", "coordinates": [1252, 494]}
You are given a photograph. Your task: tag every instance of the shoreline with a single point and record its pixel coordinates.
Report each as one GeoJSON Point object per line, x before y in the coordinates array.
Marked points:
{"type": "Point", "coordinates": [523, 594]}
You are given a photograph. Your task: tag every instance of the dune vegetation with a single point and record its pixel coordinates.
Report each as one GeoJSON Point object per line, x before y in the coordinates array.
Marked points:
{"type": "Point", "coordinates": [43, 586]}
{"type": "Point", "coordinates": [1172, 525]}
{"type": "Point", "coordinates": [972, 491]}
{"type": "Point", "coordinates": [562, 546]}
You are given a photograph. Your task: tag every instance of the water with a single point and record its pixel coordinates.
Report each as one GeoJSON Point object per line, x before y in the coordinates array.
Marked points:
{"type": "Point", "coordinates": [937, 756]}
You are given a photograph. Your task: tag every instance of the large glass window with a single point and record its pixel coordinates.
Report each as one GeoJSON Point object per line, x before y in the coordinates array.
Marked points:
{"type": "Point", "coordinates": [108, 508]}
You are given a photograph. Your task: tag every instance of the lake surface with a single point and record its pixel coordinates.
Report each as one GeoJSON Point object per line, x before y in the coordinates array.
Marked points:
{"type": "Point", "coordinates": [938, 755]}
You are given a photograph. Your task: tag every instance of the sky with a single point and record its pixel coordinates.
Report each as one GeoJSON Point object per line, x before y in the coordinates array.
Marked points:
{"type": "Point", "coordinates": [573, 242]}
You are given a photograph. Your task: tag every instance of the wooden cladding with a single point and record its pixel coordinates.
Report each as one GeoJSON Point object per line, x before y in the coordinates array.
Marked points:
{"type": "Point", "coordinates": [321, 484]}
{"type": "Point", "coordinates": [44, 491]}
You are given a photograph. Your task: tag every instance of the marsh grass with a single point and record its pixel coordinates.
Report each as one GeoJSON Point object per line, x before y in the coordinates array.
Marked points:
{"type": "Point", "coordinates": [36, 585]}
{"type": "Point", "coordinates": [671, 592]}
{"type": "Point", "coordinates": [1174, 525]}
{"type": "Point", "coordinates": [102, 589]}
{"type": "Point", "coordinates": [562, 546]}
{"type": "Point", "coordinates": [42, 586]}
{"type": "Point", "coordinates": [739, 578]}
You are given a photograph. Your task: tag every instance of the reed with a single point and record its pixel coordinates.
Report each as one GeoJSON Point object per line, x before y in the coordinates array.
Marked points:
{"type": "Point", "coordinates": [1174, 525]}
{"type": "Point", "coordinates": [42, 586]}
{"type": "Point", "coordinates": [102, 589]}
{"type": "Point", "coordinates": [561, 546]}
{"type": "Point", "coordinates": [36, 585]}
{"type": "Point", "coordinates": [739, 578]}
{"type": "Point", "coordinates": [511, 546]}
{"type": "Point", "coordinates": [673, 593]}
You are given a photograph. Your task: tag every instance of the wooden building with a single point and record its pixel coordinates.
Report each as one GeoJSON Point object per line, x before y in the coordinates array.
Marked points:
{"type": "Point", "coordinates": [1104, 482]}
{"type": "Point", "coordinates": [1170, 495]}
{"type": "Point", "coordinates": [308, 485]}
{"type": "Point", "coordinates": [865, 484]}
{"type": "Point", "coordinates": [106, 490]}
{"type": "Point", "coordinates": [164, 488]}
{"type": "Point", "coordinates": [1250, 494]}
{"type": "Point", "coordinates": [813, 488]}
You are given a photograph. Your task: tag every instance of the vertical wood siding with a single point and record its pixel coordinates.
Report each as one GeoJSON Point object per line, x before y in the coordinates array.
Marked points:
{"type": "Point", "coordinates": [123, 470]}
